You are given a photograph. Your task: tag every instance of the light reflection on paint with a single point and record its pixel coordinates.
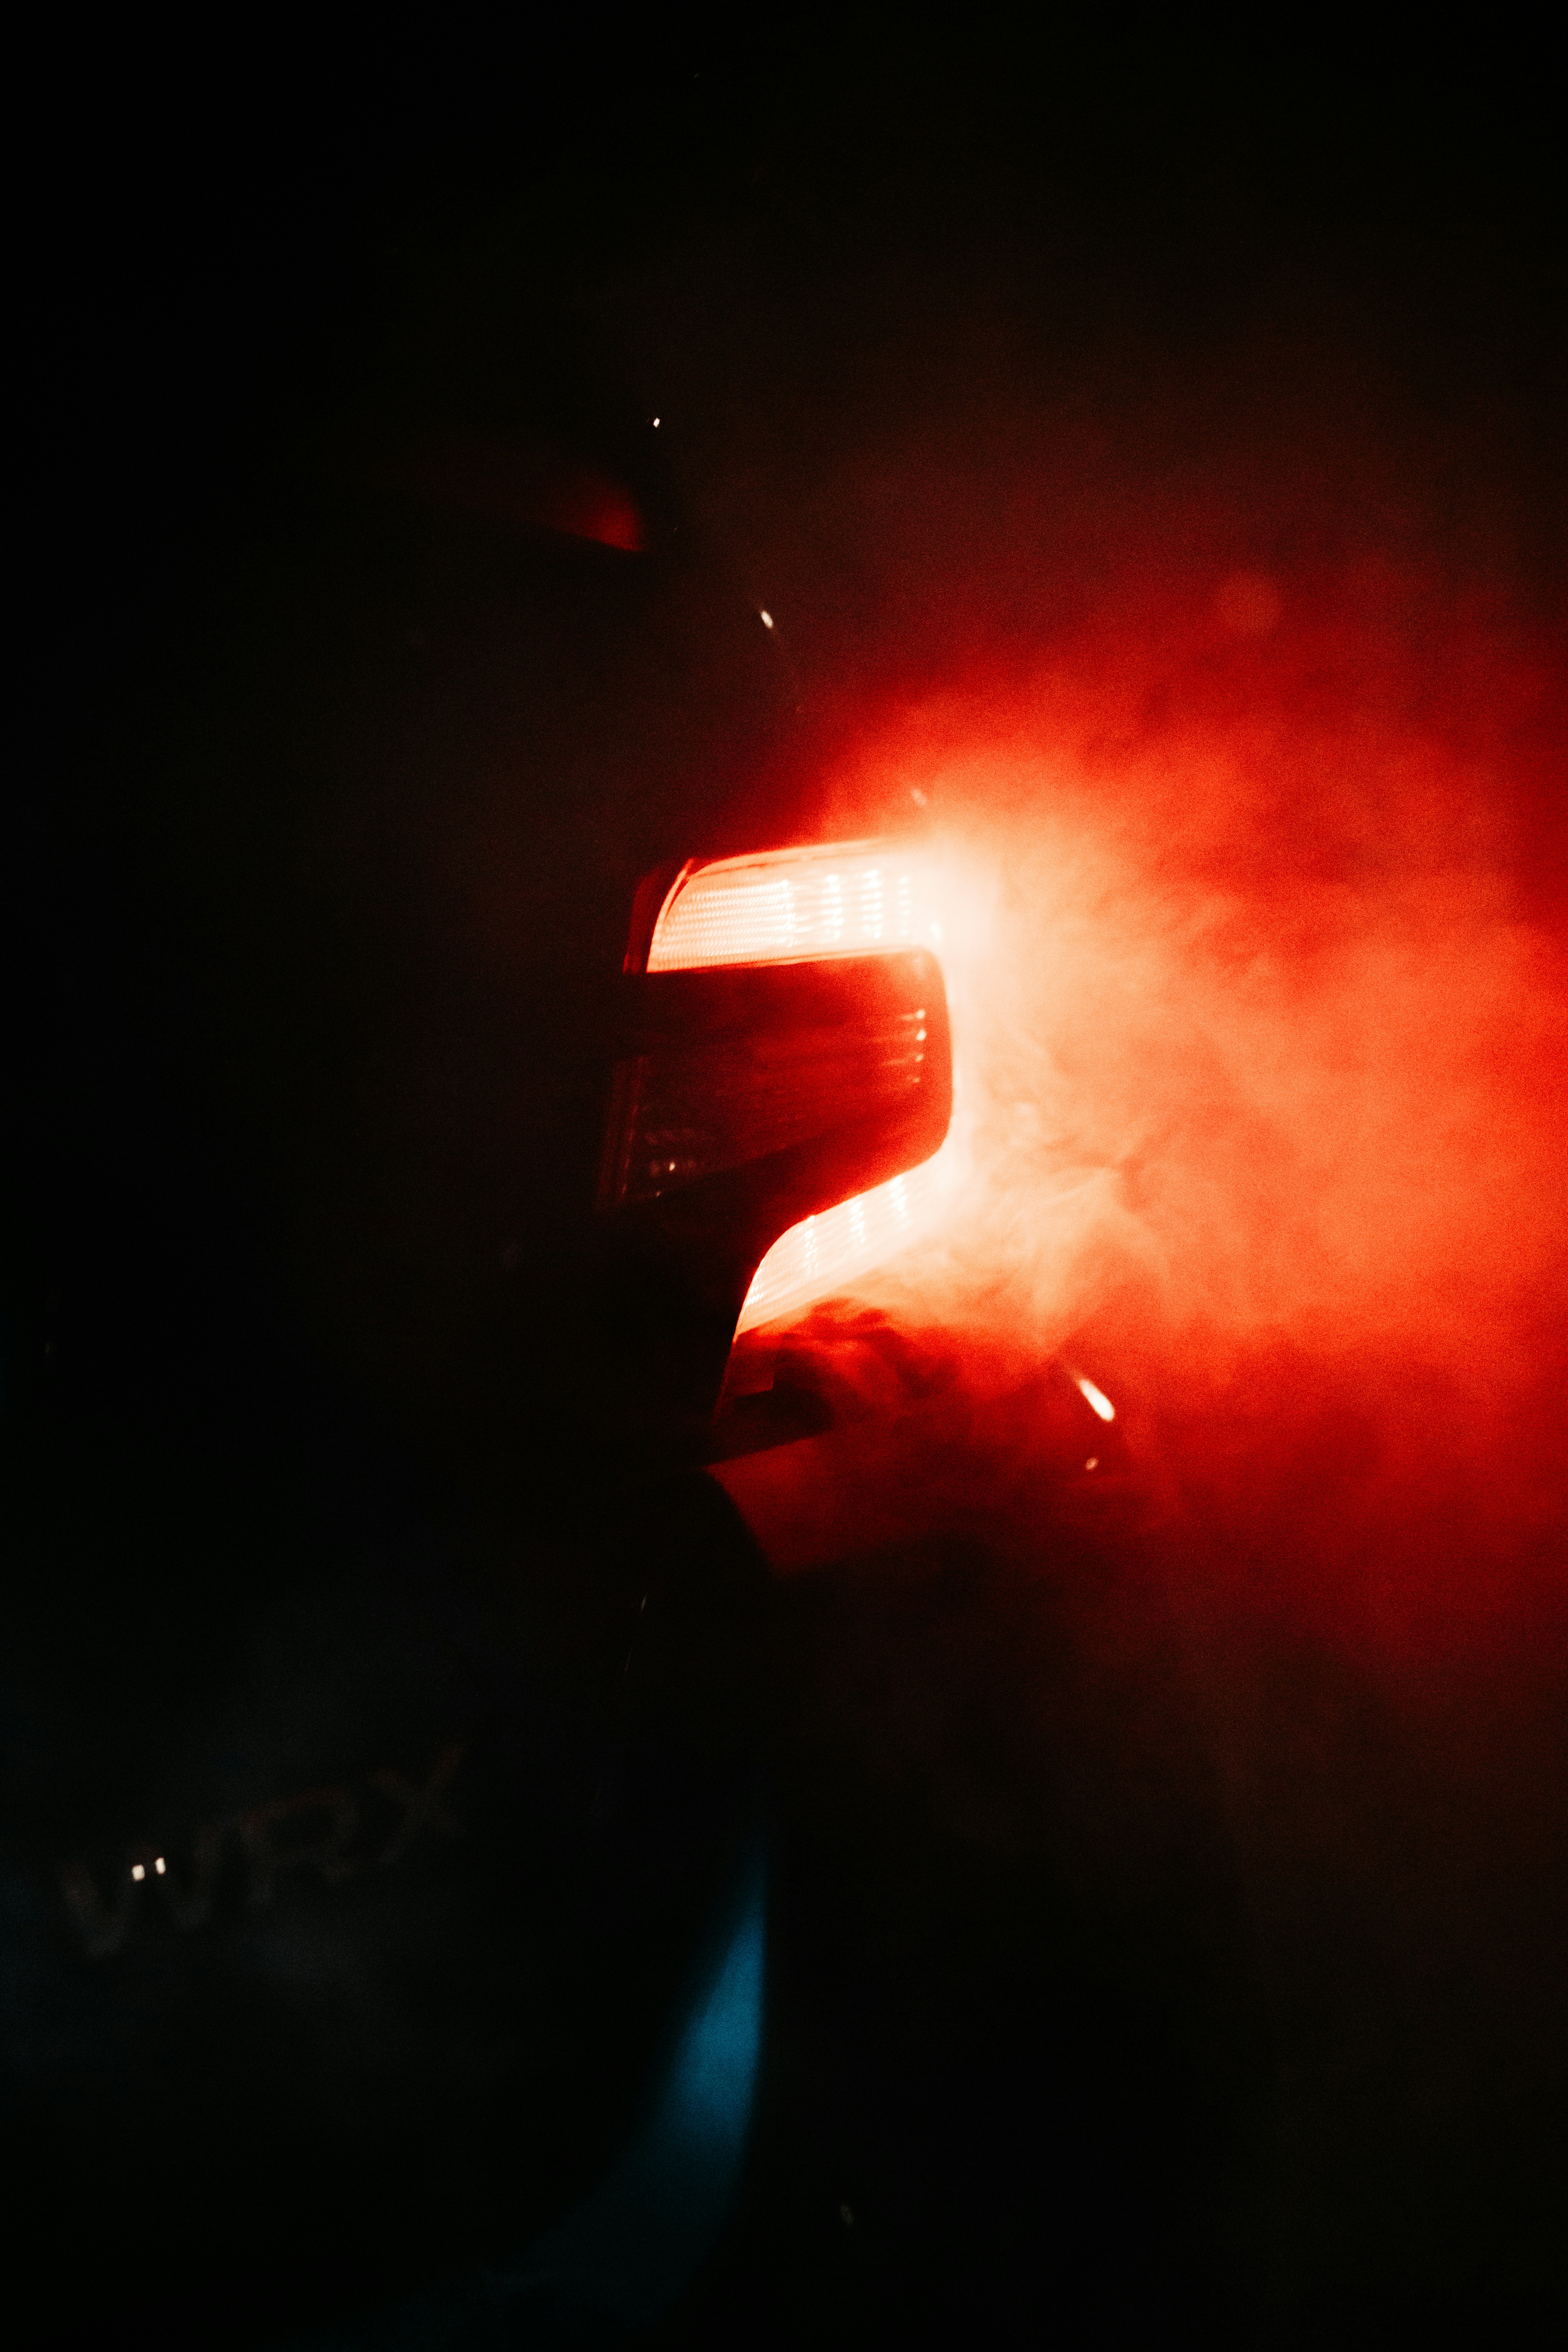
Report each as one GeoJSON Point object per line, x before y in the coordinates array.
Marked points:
{"type": "Point", "coordinates": [630, 2249]}
{"type": "Point", "coordinates": [616, 2262]}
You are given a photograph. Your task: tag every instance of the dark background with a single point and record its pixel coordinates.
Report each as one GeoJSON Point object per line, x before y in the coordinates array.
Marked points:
{"type": "Point", "coordinates": [1100, 2005]}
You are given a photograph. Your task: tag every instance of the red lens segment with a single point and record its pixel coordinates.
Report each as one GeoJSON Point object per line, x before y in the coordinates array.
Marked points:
{"type": "Point", "coordinates": [854, 897]}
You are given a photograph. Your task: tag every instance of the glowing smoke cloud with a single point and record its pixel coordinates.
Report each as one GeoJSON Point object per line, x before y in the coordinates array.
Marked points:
{"type": "Point", "coordinates": [1224, 673]}
{"type": "Point", "coordinates": [1259, 1035]}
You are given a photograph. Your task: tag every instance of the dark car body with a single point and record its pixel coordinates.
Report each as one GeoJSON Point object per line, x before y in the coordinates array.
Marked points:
{"type": "Point", "coordinates": [386, 1683]}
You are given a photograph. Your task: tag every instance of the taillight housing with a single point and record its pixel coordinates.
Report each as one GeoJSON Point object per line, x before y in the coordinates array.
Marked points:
{"type": "Point", "coordinates": [783, 1079]}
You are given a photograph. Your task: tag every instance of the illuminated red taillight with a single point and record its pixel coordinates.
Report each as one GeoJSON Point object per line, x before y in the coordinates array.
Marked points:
{"type": "Point", "coordinates": [823, 1253]}
{"type": "Point", "coordinates": [783, 1077]}
{"type": "Point", "coordinates": [854, 897]}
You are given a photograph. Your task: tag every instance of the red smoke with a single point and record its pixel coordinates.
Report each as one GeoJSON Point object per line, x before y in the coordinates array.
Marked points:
{"type": "Point", "coordinates": [1207, 587]}
{"type": "Point", "coordinates": [1259, 1016]}
{"type": "Point", "coordinates": [1226, 665]}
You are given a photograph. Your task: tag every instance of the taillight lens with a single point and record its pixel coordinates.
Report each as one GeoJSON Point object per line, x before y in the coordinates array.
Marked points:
{"type": "Point", "coordinates": [784, 1085]}
{"type": "Point", "coordinates": [735, 1065]}
{"type": "Point", "coordinates": [856, 898]}
{"type": "Point", "coordinates": [821, 1254]}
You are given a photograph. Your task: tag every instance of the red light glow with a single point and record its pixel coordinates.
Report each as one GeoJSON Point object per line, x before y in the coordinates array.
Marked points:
{"type": "Point", "coordinates": [1259, 1054]}
{"type": "Point", "coordinates": [795, 904]}
{"type": "Point", "coordinates": [830, 1252]}
{"type": "Point", "coordinates": [848, 899]}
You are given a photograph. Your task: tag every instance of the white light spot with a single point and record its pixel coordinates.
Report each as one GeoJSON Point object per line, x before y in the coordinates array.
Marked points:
{"type": "Point", "coordinates": [918, 797]}
{"type": "Point", "coordinates": [920, 1036]}
{"type": "Point", "coordinates": [767, 620]}
{"type": "Point", "coordinates": [656, 423]}
{"type": "Point", "coordinates": [138, 1870]}
{"type": "Point", "coordinates": [161, 1866]}
{"type": "Point", "coordinates": [1097, 1398]}
{"type": "Point", "coordinates": [1093, 1462]}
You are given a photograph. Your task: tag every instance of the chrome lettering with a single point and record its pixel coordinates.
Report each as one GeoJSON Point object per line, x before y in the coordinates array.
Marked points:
{"type": "Point", "coordinates": [321, 1830]}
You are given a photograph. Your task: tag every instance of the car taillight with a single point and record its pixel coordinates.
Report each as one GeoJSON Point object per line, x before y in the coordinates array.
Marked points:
{"type": "Point", "coordinates": [856, 898]}
{"type": "Point", "coordinates": [734, 1065]}
{"type": "Point", "coordinates": [823, 1253]}
{"type": "Point", "coordinates": [783, 1080]}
